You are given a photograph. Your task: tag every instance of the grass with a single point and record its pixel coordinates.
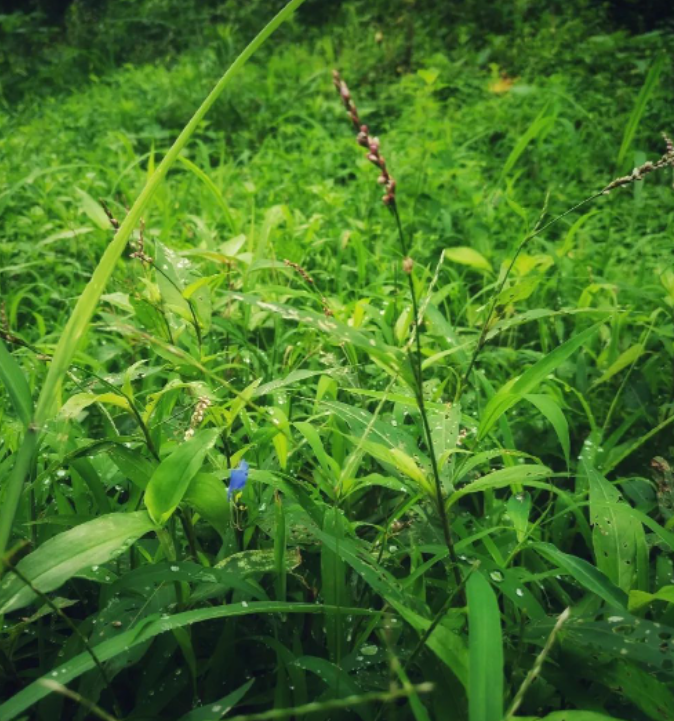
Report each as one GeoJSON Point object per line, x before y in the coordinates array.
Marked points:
{"type": "Point", "coordinates": [272, 319]}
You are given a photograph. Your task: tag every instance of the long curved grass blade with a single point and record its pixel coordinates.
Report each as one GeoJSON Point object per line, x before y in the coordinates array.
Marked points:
{"type": "Point", "coordinates": [86, 304]}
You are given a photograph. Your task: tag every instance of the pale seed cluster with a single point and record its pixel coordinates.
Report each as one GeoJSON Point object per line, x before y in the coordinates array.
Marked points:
{"type": "Point", "coordinates": [364, 139]}
{"type": "Point", "coordinates": [648, 167]}
{"type": "Point", "coordinates": [198, 416]}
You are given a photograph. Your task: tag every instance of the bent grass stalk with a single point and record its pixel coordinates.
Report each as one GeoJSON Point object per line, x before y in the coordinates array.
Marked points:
{"type": "Point", "coordinates": [88, 300]}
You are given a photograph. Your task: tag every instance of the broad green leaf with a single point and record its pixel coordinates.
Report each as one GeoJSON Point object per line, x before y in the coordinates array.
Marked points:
{"type": "Point", "coordinates": [615, 533]}
{"type": "Point", "coordinates": [485, 688]}
{"type": "Point", "coordinates": [625, 638]}
{"type": "Point", "coordinates": [77, 403]}
{"type": "Point", "coordinates": [147, 630]}
{"type": "Point", "coordinates": [585, 573]}
{"type": "Point", "coordinates": [639, 687]}
{"type": "Point", "coordinates": [12, 377]}
{"type": "Point", "coordinates": [173, 475]}
{"type": "Point", "coordinates": [520, 290]}
{"type": "Point", "coordinates": [64, 555]}
{"type": "Point", "coordinates": [464, 255]}
{"type": "Point", "coordinates": [399, 460]}
{"type": "Point", "coordinates": [513, 391]}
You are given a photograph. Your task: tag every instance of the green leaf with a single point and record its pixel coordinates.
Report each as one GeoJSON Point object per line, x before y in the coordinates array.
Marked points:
{"type": "Point", "coordinates": [639, 599]}
{"type": "Point", "coordinates": [468, 256]}
{"type": "Point", "coordinates": [585, 573]}
{"type": "Point", "coordinates": [327, 463]}
{"type": "Point", "coordinates": [64, 555]}
{"type": "Point", "coordinates": [208, 496]}
{"type": "Point", "coordinates": [333, 581]}
{"type": "Point", "coordinates": [539, 127]}
{"type": "Point", "coordinates": [513, 391]}
{"type": "Point", "coordinates": [501, 479]}
{"type": "Point", "coordinates": [615, 533]}
{"type": "Point", "coordinates": [15, 383]}
{"type": "Point", "coordinates": [639, 687]}
{"type": "Point", "coordinates": [173, 475]}
{"type": "Point", "coordinates": [219, 708]}
{"type": "Point", "coordinates": [485, 688]}
{"type": "Point", "coordinates": [569, 716]}
{"type": "Point", "coordinates": [519, 507]}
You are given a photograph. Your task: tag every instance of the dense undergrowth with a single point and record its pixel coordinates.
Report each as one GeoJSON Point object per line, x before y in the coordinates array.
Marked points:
{"type": "Point", "coordinates": [262, 314]}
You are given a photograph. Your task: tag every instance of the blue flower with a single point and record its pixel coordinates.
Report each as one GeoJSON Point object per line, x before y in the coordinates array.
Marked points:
{"type": "Point", "coordinates": [237, 479]}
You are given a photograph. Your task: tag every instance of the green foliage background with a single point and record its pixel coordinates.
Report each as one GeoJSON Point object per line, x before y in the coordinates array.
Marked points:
{"type": "Point", "coordinates": [330, 577]}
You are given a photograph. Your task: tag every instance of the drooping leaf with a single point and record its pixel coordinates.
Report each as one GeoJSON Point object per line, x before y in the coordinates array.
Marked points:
{"type": "Point", "coordinates": [61, 557]}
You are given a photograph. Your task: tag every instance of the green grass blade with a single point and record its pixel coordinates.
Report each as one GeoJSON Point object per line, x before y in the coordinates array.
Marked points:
{"type": "Point", "coordinates": [640, 108]}
{"type": "Point", "coordinates": [15, 383]}
{"type": "Point", "coordinates": [585, 573]}
{"type": "Point", "coordinates": [512, 392]}
{"type": "Point", "coordinates": [485, 690]}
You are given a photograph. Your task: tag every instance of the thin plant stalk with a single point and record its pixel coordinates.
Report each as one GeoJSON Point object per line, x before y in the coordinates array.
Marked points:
{"type": "Point", "coordinates": [416, 363]}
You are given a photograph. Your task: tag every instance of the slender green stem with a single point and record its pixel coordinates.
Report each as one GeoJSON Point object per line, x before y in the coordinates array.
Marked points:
{"type": "Point", "coordinates": [417, 370]}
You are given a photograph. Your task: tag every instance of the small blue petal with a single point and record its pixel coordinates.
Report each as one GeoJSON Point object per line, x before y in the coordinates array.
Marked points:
{"type": "Point", "coordinates": [237, 479]}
